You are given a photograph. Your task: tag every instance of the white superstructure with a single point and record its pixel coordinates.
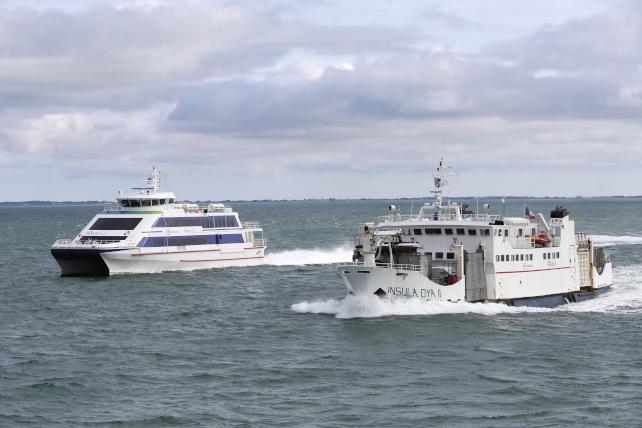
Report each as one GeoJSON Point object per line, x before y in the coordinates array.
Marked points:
{"type": "Point", "coordinates": [448, 252]}
{"type": "Point", "coordinates": [148, 231]}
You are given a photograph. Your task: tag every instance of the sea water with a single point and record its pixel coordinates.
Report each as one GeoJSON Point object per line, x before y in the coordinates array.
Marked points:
{"type": "Point", "coordinates": [282, 345]}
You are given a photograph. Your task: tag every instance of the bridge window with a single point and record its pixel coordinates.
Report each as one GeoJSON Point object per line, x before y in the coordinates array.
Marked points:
{"type": "Point", "coordinates": [154, 202]}
{"type": "Point", "coordinates": [520, 232]}
{"type": "Point", "coordinates": [450, 256]}
{"type": "Point", "coordinates": [558, 255]}
{"type": "Point", "coordinates": [432, 231]}
{"type": "Point", "coordinates": [499, 232]}
{"type": "Point", "coordinates": [502, 256]}
{"type": "Point", "coordinates": [135, 203]}
{"type": "Point", "coordinates": [461, 232]}
{"type": "Point", "coordinates": [472, 232]}
{"type": "Point", "coordinates": [497, 257]}
{"type": "Point", "coordinates": [521, 257]}
{"type": "Point", "coordinates": [417, 231]}
{"type": "Point", "coordinates": [439, 255]}
{"type": "Point", "coordinates": [448, 231]}
{"type": "Point", "coordinates": [486, 232]}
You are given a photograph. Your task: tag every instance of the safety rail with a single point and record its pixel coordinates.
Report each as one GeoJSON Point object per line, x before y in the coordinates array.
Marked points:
{"type": "Point", "coordinates": [528, 242]}
{"type": "Point", "coordinates": [439, 217]}
{"type": "Point", "coordinates": [86, 242]}
{"type": "Point", "coordinates": [407, 267]}
{"type": "Point", "coordinates": [259, 243]}
{"type": "Point", "coordinates": [251, 225]}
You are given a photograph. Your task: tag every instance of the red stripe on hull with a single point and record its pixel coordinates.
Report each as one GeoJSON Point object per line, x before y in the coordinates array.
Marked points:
{"type": "Point", "coordinates": [534, 270]}
{"type": "Point", "coordinates": [220, 260]}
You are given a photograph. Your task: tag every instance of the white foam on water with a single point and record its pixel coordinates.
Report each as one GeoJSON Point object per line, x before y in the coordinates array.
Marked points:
{"type": "Point", "coordinates": [373, 307]}
{"type": "Point", "coordinates": [608, 240]}
{"type": "Point", "coordinates": [317, 256]}
{"type": "Point", "coordinates": [625, 295]}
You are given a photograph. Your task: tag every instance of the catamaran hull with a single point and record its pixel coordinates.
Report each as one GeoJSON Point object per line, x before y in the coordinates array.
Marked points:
{"type": "Point", "coordinates": [386, 282]}
{"type": "Point", "coordinates": [95, 262]}
{"type": "Point", "coordinates": [80, 262]}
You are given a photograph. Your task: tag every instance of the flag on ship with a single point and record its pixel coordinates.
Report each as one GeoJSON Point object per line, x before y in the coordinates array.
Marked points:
{"type": "Point", "coordinates": [528, 213]}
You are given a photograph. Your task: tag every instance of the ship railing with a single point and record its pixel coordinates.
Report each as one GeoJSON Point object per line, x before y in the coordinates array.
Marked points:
{"type": "Point", "coordinates": [251, 225]}
{"type": "Point", "coordinates": [404, 267]}
{"type": "Point", "coordinates": [89, 242]}
{"type": "Point", "coordinates": [259, 243]}
{"type": "Point", "coordinates": [439, 217]}
{"type": "Point", "coordinates": [528, 242]}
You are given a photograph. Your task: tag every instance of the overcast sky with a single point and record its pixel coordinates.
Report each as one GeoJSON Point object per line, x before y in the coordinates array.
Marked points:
{"type": "Point", "coordinates": [294, 99]}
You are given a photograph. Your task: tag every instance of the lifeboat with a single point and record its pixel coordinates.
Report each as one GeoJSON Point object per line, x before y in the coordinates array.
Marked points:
{"type": "Point", "coordinates": [541, 239]}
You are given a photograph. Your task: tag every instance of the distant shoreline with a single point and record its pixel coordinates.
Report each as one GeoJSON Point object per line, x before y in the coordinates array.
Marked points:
{"type": "Point", "coordinates": [75, 203]}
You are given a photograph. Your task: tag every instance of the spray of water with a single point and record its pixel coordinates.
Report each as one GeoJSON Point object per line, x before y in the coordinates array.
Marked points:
{"type": "Point", "coordinates": [299, 257]}
{"type": "Point", "coordinates": [608, 240]}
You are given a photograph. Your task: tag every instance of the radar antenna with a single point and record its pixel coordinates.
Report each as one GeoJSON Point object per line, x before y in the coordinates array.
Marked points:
{"type": "Point", "coordinates": [153, 181]}
{"type": "Point", "coordinates": [441, 180]}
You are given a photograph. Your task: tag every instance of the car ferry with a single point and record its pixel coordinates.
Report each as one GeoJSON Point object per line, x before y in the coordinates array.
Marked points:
{"type": "Point", "coordinates": [148, 231]}
{"type": "Point", "coordinates": [448, 252]}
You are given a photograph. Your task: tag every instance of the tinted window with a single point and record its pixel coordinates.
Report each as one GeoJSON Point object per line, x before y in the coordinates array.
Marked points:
{"type": "Point", "coordinates": [115, 223]}
{"type": "Point", "coordinates": [125, 202]}
{"type": "Point", "coordinates": [450, 256]}
{"type": "Point", "coordinates": [134, 203]}
{"type": "Point", "coordinates": [472, 231]}
{"type": "Point", "coordinates": [439, 255]}
{"type": "Point", "coordinates": [448, 231]}
{"type": "Point", "coordinates": [101, 238]}
{"type": "Point", "coordinates": [235, 238]}
{"type": "Point", "coordinates": [433, 231]}
{"type": "Point", "coordinates": [154, 201]}
{"type": "Point", "coordinates": [417, 231]}
{"type": "Point", "coordinates": [460, 232]}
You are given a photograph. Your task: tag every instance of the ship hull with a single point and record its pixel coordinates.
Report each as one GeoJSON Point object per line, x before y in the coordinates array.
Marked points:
{"type": "Point", "coordinates": [135, 261]}
{"type": "Point", "coordinates": [97, 262]}
{"type": "Point", "coordinates": [80, 262]}
{"type": "Point", "coordinates": [388, 282]}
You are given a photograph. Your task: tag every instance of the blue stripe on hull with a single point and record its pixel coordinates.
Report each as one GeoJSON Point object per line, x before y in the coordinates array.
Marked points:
{"type": "Point", "coordinates": [555, 299]}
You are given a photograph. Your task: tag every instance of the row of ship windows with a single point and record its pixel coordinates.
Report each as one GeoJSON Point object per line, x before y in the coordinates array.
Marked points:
{"type": "Point", "coordinates": [173, 241]}
{"type": "Point", "coordinates": [447, 231]}
{"type": "Point", "coordinates": [134, 203]}
{"type": "Point", "coordinates": [129, 223]}
{"type": "Point", "coordinates": [203, 221]}
{"type": "Point", "coordinates": [524, 257]}
{"type": "Point", "coordinates": [440, 255]}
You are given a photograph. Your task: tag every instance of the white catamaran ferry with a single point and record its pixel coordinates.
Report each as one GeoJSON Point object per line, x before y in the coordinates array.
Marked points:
{"type": "Point", "coordinates": [149, 232]}
{"type": "Point", "coordinates": [447, 252]}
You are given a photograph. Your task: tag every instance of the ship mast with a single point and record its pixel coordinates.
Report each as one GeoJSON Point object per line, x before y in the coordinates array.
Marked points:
{"type": "Point", "coordinates": [440, 178]}
{"type": "Point", "coordinates": [153, 181]}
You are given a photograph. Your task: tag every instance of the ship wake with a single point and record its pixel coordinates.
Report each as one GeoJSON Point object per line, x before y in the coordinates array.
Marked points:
{"type": "Point", "coordinates": [611, 241]}
{"type": "Point", "coordinates": [374, 307]}
{"type": "Point", "coordinates": [316, 256]}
